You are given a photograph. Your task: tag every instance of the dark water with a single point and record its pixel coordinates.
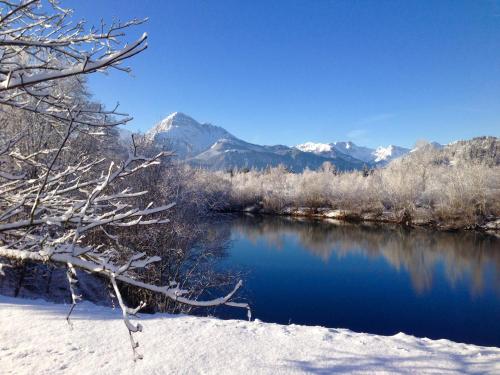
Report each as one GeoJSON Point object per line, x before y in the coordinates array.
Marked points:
{"type": "Point", "coordinates": [369, 278]}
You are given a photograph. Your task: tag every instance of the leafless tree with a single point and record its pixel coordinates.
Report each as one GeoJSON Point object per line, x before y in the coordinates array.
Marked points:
{"type": "Point", "coordinates": [50, 204]}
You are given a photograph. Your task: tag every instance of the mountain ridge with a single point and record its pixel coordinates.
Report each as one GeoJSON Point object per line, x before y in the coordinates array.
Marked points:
{"type": "Point", "coordinates": [213, 147]}
{"type": "Point", "coordinates": [210, 146]}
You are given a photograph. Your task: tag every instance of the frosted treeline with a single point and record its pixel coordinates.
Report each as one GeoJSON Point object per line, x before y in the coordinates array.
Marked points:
{"type": "Point", "coordinates": [420, 187]}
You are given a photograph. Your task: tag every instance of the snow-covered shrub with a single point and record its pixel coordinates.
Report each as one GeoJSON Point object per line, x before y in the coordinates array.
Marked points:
{"type": "Point", "coordinates": [463, 193]}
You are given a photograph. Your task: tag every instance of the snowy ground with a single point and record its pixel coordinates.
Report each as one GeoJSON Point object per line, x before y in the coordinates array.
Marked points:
{"type": "Point", "coordinates": [35, 339]}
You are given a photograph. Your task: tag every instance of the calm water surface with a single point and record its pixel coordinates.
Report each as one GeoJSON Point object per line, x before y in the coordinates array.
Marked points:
{"type": "Point", "coordinates": [369, 278]}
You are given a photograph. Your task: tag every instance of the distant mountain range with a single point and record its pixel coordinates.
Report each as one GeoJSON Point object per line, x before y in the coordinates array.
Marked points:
{"type": "Point", "coordinates": [213, 147]}
{"type": "Point", "coordinates": [370, 156]}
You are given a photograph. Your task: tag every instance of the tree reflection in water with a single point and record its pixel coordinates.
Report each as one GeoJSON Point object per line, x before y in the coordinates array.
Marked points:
{"type": "Point", "coordinates": [417, 250]}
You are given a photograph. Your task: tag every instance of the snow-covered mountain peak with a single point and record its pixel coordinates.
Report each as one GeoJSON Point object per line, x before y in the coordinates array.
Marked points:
{"type": "Point", "coordinates": [314, 147]}
{"type": "Point", "coordinates": [176, 119]}
{"type": "Point", "coordinates": [380, 156]}
{"type": "Point", "coordinates": [179, 118]}
{"type": "Point", "coordinates": [186, 136]}
{"type": "Point", "coordinates": [384, 154]}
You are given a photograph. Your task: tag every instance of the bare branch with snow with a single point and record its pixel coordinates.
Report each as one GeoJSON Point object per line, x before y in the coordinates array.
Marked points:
{"type": "Point", "coordinates": [52, 201]}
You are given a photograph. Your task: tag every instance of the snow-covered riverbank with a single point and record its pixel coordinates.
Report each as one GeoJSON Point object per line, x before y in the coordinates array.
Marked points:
{"type": "Point", "coordinates": [35, 339]}
{"type": "Point", "coordinates": [421, 218]}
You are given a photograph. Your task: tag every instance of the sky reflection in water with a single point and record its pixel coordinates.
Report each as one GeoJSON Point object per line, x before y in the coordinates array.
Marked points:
{"type": "Point", "coordinates": [371, 278]}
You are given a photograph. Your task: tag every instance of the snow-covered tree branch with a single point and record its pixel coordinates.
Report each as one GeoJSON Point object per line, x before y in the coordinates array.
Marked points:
{"type": "Point", "coordinates": [53, 196]}
{"type": "Point", "coordinates": [40, 45]}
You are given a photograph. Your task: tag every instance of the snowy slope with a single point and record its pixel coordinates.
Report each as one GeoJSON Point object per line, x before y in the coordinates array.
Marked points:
{"type": "Point", "coordinates": [35, 339]}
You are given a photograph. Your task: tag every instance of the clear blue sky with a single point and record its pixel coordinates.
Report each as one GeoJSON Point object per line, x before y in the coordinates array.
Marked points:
{"type": "Point", "coordinates": [374, 72]}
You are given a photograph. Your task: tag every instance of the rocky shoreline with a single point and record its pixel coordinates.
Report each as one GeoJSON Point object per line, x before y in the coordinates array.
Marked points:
{"type": "Point", "coordinates": [418, 218]}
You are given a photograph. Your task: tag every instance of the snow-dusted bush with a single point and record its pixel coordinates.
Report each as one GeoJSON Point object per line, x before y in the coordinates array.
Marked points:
{"type": "Point", "coordinates": [465, 192]}
{"type": "Point", "coordinates": [245, 187]}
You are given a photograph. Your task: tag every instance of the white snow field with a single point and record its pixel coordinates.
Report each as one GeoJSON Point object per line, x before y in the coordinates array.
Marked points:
{"type": "Point", "coordinates": [35, 339]}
